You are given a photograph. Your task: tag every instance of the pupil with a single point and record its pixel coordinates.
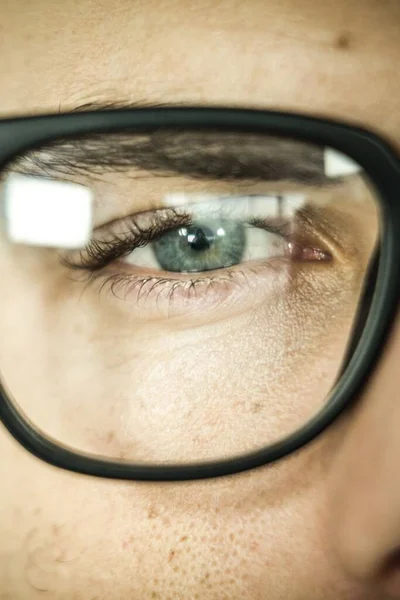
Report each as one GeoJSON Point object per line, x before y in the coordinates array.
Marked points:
{"type": "Point", "coordinates": [199, 238]}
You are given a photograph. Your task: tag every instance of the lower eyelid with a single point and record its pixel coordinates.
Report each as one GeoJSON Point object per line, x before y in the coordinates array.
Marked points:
{"type": "Point", "coordinates": [226, 292]}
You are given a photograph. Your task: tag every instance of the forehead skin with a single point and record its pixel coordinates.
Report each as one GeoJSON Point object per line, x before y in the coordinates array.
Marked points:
{"type": "Point", "coordinates": [259, 535]}
{"type": "Point", "coordinates": [299, 55]}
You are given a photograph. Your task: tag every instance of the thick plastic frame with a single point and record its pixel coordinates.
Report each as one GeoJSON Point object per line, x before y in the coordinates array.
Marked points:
{"type": "Point", "coordinates": [380, 163]}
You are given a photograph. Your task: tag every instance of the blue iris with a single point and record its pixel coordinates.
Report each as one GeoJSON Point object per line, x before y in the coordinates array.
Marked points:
{"type": "Point", "coordinates": [201, 247]}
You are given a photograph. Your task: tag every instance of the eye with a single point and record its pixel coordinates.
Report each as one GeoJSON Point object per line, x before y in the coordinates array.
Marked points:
{"type": "Point", "coordinates": [214, 248]}
{"type": "Point", "coordinates": [208, 245]}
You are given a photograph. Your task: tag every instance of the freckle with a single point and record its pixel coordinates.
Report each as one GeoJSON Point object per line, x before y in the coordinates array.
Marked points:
{"type": "Point", "coordinates": [110, 436]}
{"type": "Point", "coordinates": [344, 41]}
{"type": "Point", "coordinates": [183, 538]}
{"type": "Point", "coordinates": [171, 555]}
{"type": "Point", "coordinates": [152, 514]}
{"type": "Point", "coordinates": [254, 546]}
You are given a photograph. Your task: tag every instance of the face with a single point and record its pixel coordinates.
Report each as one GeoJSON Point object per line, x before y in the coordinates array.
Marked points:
{"type": "Point", "coordinates": [69, 536]}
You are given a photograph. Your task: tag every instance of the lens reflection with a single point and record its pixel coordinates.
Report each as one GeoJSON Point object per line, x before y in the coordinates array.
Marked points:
{"type": "Point", "coordinates": [179, 297]}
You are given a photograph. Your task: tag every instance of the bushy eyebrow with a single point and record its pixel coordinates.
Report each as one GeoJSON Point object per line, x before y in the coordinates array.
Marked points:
{"type": "Point", "coordinates": [201, 154]}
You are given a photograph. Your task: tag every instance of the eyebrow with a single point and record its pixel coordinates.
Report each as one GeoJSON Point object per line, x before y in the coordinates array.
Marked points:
{"type": "Point", "coordinates": [198, 154]}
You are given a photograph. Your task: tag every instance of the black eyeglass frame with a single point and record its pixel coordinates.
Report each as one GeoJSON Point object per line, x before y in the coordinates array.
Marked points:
{"type": "Point", "coordinates": [379, 161]}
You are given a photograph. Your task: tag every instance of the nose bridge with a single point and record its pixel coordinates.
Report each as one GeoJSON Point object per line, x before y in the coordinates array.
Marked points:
{"type": "Point", "coordinates": [364, 484]}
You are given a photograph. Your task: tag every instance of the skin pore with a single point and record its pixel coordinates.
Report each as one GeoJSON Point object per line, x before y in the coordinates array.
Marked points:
{"type": "Point", "coordinates": [321, 524]}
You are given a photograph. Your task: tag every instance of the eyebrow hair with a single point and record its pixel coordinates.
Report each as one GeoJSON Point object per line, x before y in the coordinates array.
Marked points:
{"type": "Point", "coordinates": [198, 154]}
{"type": "Point", "coordinates": [97, 105]}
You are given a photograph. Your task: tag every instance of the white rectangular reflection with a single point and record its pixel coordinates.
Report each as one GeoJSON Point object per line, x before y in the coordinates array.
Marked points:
{"type": "Point", "coordinates": [45, 212]}
{"type": "Point", "coordinates": [339, 165]}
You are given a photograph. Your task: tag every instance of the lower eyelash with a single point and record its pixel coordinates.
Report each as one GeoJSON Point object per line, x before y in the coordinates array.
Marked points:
{"type": "Point", "coordinates": [190, 286]}
{"type": "Point", "coordinates": [155, 289]}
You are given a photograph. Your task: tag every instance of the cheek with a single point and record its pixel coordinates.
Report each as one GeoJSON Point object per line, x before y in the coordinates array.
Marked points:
{"type": "Point", "coordinates": [96, 380]}
{"type": "Point", "coordinates": [90, 380]}
{"type": "Point", "coordinates": [62, 534]}
{"type": "Point", "coordinates": [70, 536]}
{"type": "Point", "coordinates": [67, 536]}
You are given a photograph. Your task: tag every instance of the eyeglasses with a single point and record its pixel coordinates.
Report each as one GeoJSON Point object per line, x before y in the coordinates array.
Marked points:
{"type": "Point", "coordinates": [189, 292]}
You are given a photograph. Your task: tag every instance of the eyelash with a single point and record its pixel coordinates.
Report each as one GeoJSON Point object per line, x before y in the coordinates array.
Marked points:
{"type": "Point", "coordinates": [99, 254]}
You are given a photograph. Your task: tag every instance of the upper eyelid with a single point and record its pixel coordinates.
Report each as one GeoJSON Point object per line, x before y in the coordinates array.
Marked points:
{"type": "Point", "coordinates": [182, 213]}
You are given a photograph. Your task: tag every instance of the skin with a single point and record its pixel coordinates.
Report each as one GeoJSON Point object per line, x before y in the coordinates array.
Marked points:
{"type": "Point", "coordinates": [325, 522]}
